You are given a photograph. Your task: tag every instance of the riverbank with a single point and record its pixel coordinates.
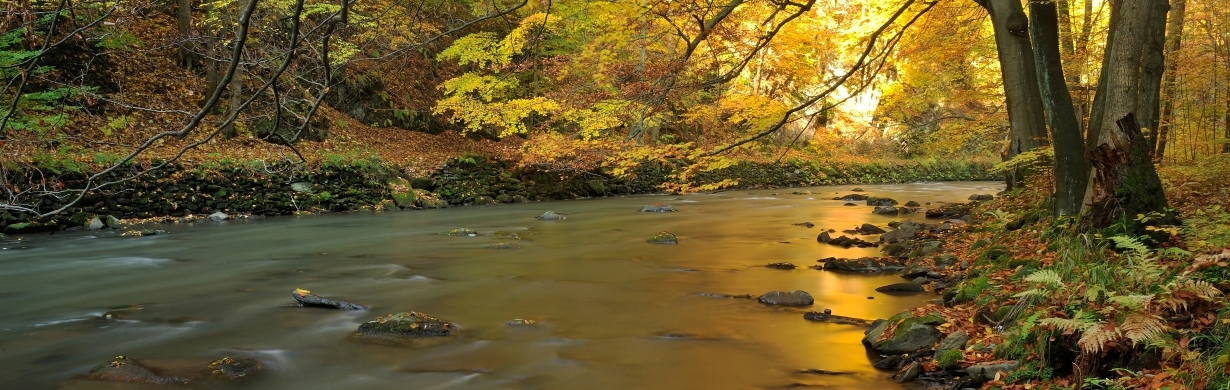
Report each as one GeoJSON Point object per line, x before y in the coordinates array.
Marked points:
{"type": "Point", "coordinates": [352, 182]}
{"type": "Point", "coordinates": [1062, 308]}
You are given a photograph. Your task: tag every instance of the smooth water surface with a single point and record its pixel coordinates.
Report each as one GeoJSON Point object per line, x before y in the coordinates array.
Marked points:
{"type": "Point", "coordinates": [614, 312]}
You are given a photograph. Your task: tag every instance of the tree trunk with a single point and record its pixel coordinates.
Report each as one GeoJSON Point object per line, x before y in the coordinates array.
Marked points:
{"type": "Point", "coordinates": [1064, 14]}
{"type": "Point", "coordinates": [236, 87]}
{"type": "Point", "coordinates": [1097, 109]}
{"type": "Point", "coordinates": [187, 59]}
{"type": "Point", "coordinates": [1149, 103]}
{"type": "Point", "coordinates": [1071, 173]}
{"type": "Point", "coordinates": [1174, 38]}
{"type": "Point", "coordinates": [1016, 59]}
{"type": "Point", "coordinates": [1124, 182]}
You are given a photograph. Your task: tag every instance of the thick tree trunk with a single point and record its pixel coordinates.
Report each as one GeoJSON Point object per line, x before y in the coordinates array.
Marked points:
{"type": "Point", "coordinates": [1174, 38]}
{"type": "Point", "coordinates": [1097, 109]}
{"type": "Point", "coordinates": [1016, 61]}
{"type": "Point", "coordinates": [1071, 173]}
{"type": "Point", "coordinates": [183, 15]}
{"type": "Point", "coordinates": [1124, 182]}
{"type": "Point", "coordinates": [1149, 103]}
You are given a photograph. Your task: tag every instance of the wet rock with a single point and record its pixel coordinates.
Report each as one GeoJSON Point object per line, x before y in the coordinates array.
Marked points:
{"type": "Point", "coordinates": [550, 216]}
{"type": "Point", "coordinates": [981, 197]}
{"type": "Point", "coordinates": [817, 371]}
{"type": "Point", "coordinates": [718, 295]}
{"type": "Point", "coordinates": [233, 368]}
{"type": "Point", "coordinates": [808, 225]}
{"type": "Point", "coordinates": [889, 363]}
{"type": "Point", "coordinates": [950, 211]}
{"type": "Point", "coordinates": [899, 249]}
{"type": "Point", "coordinates": [824, 237]}
{"type": "Point", "coordinates": [407, 325]}
{"type": "Point", "coordinates": [461, 232]}
{"type": "Point", "coordinates": [520, 322]}
{"type": "Point", "coordinates": [846, 242]}
{"type": "Point", "coordinates": [904, 231]}
{"type": "Point", "coordinates": [219, 217]}
{"type": "Point", "coordinates": [986, 371]}
{"type": "Point", "coordinates": [113, 222]}
{"type": "Point", "coordinates": [954, 341]}
{"type": "Point", "coordinates": [143, 233]}
{"type": "Point", "coordinates": [910, 373]}
{"type": "Point", "coordinates": [850, 204]}
{"type": "Point", "coordinates": [663, 238]}
{"type": "Point", "coordinates": [875, 201]}
{"type": "Point", "coordinates": [782, 298]}
{"type": "Point", "coordinates": [657, 208]}
{"type": "Point", "coordinates": [96, 223]}
{"type": "Point", "coordinates": [886, 210]}
{"type": "Point", "coordinates": [857, 189]}
{"type": "Point", "coordinates": [867, 228]}
{"type": "Point", "coordinates": [305, 298]}
{"type": "Point", "coordinates": [902, 288]}
{"type": "Point", "coordinates": [780, 266]}
{"type": "Point", "coordinates": [828, 316]}
{"type": "Point", "coordinates": [912, 204]}
{"type": "Point", "coordinates": [852, 197]}
{"type": "Point", "coordinates": [123, 369]}
{"type": "Point", "coordinates": [910, 335]}
{"type": "Point", "coordinates": [863, 265]}
{"type": "Point", "coordinates": [505, 245]}
{"type": "Point", "coordinates": [115, 315]}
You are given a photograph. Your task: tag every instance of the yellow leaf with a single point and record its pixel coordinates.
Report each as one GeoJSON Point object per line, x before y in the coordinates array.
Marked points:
{"type": "Point", "coordinates": [302, 292]}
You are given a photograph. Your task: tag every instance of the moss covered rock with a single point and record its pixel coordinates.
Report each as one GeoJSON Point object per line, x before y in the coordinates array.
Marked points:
{"type": "Point", "coordinates": [908, 333]}
{"type": "Point", "coordinates": [409, 325]}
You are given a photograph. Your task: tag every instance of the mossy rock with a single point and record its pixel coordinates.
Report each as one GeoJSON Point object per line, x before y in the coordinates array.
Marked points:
{"type": "Point", "coordinates": [460, 232]}
{"type": "Point", "coordinates": [910, 335]}
{"type": "Point", "coordinates": [949, 359]}
{"type": "Point", "coordinates": [408, 324]}
{"type": "Point", "coordinates": [123, 369]}
{"type": "Point", "coordinates": [663, 238]}
{"type": "Point", "coordinates": [402, 193]}
{"type": "Point", "coordinates": [233, 368]}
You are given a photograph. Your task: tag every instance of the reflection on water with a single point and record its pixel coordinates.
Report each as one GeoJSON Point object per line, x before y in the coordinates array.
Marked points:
{"type": "Point", "coordinates": [613, 312]}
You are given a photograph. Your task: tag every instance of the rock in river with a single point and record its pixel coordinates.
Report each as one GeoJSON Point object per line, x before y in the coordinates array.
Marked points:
{"type": "Point", "coordinates": [663, 238]}
{"type": "Point", "coordinates": [780, 266]}
{"type": "Point", "coordinates": [407, 325]}
{"type": "Point", "coordinates": [874, 201]}
{"type": "Point", "coordinates": [886, 210]}
{"type": "Point", "coordinates": [862, 265]}
{"type": "Point", "coordinates": [233, 368]}
{"type": "Point", "coordinates": [902, 288]}
{"type": "Point", "coordinates": [782, 298]}
{"type": "Point", "coordinates": [550, 216]}
{"type": "Point", "coordinates": [307, 299]}
{"type": "Point", "coordinates": [910, 333]}
{"type": "Point", "coordinates": [123, 369]}
{"type": "Point", "coordinates": [657, 208]}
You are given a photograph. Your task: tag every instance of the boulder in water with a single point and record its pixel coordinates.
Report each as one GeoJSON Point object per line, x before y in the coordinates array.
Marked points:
{"type": "Point", "coordinates": [902, 288]}
{"type": "Point", "coordinates": [780, 266]}
{"type": "Point", "coordinates": [307, 299]}
{"type": "Point", "coordinates": [886, 210]}
{"type": "Point", "coordinates": [862, 265]}
{"type": "Point", "coordinates": [874, 201]}
{"type": "Point", "coordinates": [852, 197]}
{"type": "Point", "coordinates": [950, 211]}
{"type": "Point", "coordinates": [233, 368]}
{"type": "Point", "coordinates": [219, 217]}
{"type": "Point", "coordinates": [123, 369]}
{"type": "Point", "coordinates": [461, 232]}
{"type": "Point", "coordinates": [782, 298]}
{"type": "Point", "coordinates": [550, 216]}
{"type": "Point", "coordinates": [505, 245]}
{"type": "Point", "coordinates": [663, 238]}
{"type": "Point", "coordinates": [808, 225]}
{"type": "Point", "coordinates": [657, 208]}
{"type": "Point", "coordinates": [912, 204]}
{"type": "Point", "coordinates": [870, 229]}
{"type": "Point", "coordinates": [113, 222]}
{"type": "Point", "coordinates": [96, 223]}
{"type": "Point", "coordinates": [407, 325]}
{"type": "Point", "coordinates": [981, 197]}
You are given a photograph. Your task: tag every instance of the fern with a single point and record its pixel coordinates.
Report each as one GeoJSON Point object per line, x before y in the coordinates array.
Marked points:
{"type": "Point", "coordinates": [1133, 302]}
{"type": "Point", "coordinates": [1132, 244]}
{"type": "Point", "coordinates": [1078, 323]}
{"type": "Point", "coordinates": [1047, 277]}
{"type": "Point", "coordinates": [1094, 339]}
{"type": "Point", "coordinates": [1142, 328]}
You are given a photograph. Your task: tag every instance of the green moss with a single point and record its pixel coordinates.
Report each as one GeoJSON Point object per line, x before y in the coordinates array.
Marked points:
{"type": "Point", "coordinates": [949, 359]}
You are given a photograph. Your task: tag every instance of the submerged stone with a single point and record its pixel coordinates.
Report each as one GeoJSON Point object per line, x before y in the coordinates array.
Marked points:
{"type": "Point", "coordinates": [550, 216]}
{"type": "Point", "coordinates": [780, 266]}
{"type": "Point", "coordinates": [123, 369]}
{"type": "Point", "coordinates": [233, 368]}
{"type": "Point", "coordinates": [782, 298]}
{"type": "Point", "coordinates": [663, 238]}
{"type": "Point", "coordinates": [461, 232]}
{"type": "Point", "coordinates": [305, 298]}
{"type": "Point", "coordinates": [657, 208]}
{"type": "Point", "coordinates": [409, 325]}
{"type": "Point", "coordinates": [505, 245]}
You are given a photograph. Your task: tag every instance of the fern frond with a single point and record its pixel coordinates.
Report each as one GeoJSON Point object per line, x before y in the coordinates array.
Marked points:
{"type": "Point", "coordinates": [1134, 302]}
{"type": "Point", "coordinates": [1092, 293]}
{"type": "Point", "coordinates": [1047, 277]}
{"type": "Point", "coordinates": [1142, 328]}
{"type": "Point", "coordinates": [1200, 288]}
{"type": "Point", "coordinates": [1077, 324]}
{"type": "Point", "coordinates": [1171, 302]}
{"type": "Point", "coordinates": [1094, 339]}
{"type": "Point", "coordinates": [1131, 243]}
{"type": "Point", "coordinates": [1032, 293]}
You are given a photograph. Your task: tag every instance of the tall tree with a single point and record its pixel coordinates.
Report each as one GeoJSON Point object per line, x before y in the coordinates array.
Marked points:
{"type": "Point", "coordinates": [183, 17]}
{"type": "Point", "coordinates": [1071, 173]}
{"type": "Point", "coordinates": [1123, 181]}
{"type": "Point", "coordinates": [1174, 41]}
{"type": "Point", "coordinates": [1016, 59]}
{"type": "Point", "coordinates": [1149, 103]}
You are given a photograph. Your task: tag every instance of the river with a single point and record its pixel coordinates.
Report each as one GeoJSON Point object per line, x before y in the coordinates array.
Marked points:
{"type": "Point", "coordinates": [613, 311]}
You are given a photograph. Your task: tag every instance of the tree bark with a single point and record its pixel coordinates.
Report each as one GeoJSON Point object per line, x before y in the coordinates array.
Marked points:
{"type": "Point", "coordinates": [1016, 59]}
{"type": "Point", "coordinates": [236, 87]}
{"type": "Point", "coordinates": [1071, 173]}
{"type": "Point", "coordinates": [1064, 14]}
{"type": "Point", "coordinates": [1149, 102]}
{"type": "Point", "coordinates": [183, 15]}
{"type": "Point", "coordinates": [1097, 109]}
{"type": "Point", "coordinates": [1174, 38]}
{"type": "Point", "coordinates": [1123, 182]}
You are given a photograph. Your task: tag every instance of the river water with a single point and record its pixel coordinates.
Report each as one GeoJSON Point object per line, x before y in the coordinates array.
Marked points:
{"type": "Point", "coordinates": [613, 311]}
